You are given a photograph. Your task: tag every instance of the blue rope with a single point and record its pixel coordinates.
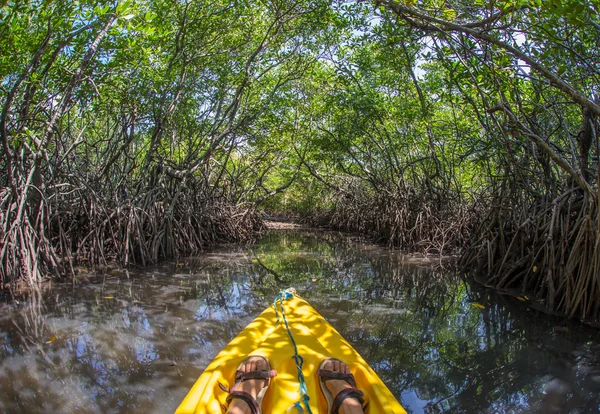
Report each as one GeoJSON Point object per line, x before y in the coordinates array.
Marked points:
{"type": "Point", "coordinates": [281, 297]}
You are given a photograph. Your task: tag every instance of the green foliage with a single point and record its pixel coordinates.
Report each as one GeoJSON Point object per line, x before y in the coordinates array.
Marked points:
{"type": "Point", "coordinates": [296, 105]}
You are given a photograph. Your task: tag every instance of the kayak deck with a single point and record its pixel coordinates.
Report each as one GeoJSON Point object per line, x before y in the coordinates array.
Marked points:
{"type": "Point", "coordinates": [315, 338]}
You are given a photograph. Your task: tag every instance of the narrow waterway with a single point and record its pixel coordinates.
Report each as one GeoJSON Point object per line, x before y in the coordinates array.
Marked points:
{"type": "Point", "coordinates": [136, 341]}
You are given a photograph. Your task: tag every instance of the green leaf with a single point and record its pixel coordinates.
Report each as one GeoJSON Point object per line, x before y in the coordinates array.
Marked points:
{"type": "Point", "coordinates": [122, 7]}
{"type": "Point", "coordinates": [150, 16]}
{"type": "Point", "coordinates": [449, 14]}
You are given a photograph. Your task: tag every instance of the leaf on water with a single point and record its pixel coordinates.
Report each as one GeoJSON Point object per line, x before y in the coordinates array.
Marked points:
{"type": "Point", "coordinates": [109, 297]}
{"type": "Point", "coordinates": [479, 305]}
{"type": "Point", "coordinates": [561, 329]}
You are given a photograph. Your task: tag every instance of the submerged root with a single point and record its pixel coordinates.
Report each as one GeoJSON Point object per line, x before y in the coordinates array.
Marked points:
{"type": "Point", "coordinates": [411, 220]}
{"type": "Point", "coordinates": [48, 235]}
{"type": "Point", "coordinates": [549, 250]}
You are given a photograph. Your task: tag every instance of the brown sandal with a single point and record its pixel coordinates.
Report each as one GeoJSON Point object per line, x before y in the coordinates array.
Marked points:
{"type": "Point", "coordinates": [334, 404]}
{"type": "Point", "coordinates": [241, 376]}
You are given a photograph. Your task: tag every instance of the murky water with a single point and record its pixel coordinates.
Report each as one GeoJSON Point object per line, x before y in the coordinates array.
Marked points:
{"type": "Point", "coordinates": [137, 341]}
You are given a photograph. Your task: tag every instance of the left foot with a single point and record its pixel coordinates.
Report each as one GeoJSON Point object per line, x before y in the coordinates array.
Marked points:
{"type": "Point", "coordinates": [249, 386]}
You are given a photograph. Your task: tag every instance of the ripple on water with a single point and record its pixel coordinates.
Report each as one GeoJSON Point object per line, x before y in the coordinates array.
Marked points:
{"type": "Point", "coordinates": [134, 341]}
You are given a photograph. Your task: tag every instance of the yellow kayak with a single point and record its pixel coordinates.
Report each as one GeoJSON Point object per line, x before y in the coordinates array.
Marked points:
{"type": "Point", "coordinates": [291, 327]}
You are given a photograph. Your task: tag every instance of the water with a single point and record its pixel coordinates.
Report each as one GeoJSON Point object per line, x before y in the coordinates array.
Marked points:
{"type": "Point", "coordinates": [136, 341]}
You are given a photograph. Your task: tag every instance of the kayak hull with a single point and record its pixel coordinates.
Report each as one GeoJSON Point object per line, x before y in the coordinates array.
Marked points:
{"type": "Point", "coordinates": [316, 340]}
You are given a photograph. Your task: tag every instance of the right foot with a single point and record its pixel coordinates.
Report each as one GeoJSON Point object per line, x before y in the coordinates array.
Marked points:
{"type": "Point", "coordinates": [335, 386]}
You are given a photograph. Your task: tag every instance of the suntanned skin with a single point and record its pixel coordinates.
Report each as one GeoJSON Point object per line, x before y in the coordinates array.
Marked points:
{"type": "Point", "coordinates": [349, 405]}
{"type": "Point", "coordinates": [253, 387]}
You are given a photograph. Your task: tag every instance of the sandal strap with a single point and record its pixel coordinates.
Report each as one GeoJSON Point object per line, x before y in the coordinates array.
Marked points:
{"type": "Point", "coordinates": [241, 376]}
{"type": "Point", "coordinates": [247, 398]}
{"type": "Point", "coordinates": [327, 375]}
{"type": "Point", "coordinates": [346, 393]}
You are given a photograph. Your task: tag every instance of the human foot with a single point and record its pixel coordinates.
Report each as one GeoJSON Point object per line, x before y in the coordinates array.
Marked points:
{"type": "Point", "coordinates": [339, 387]}
{"type": "Point", "coordinates": [251, 382]}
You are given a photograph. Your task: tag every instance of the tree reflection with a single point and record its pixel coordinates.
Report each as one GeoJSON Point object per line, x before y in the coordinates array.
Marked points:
{"type": "Point", "coordinates": [120, 341]}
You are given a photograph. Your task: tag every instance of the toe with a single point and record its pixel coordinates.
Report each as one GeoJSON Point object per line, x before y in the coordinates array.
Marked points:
{"type": "Point", "coordinates": [254, 364]}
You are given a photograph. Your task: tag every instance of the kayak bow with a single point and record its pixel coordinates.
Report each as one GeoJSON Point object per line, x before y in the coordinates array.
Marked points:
{"type": "Point", "coordinates": [291, 330]}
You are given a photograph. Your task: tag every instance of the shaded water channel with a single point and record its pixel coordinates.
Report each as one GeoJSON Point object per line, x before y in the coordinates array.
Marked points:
{"type": "Point", "coordinates": [135, 341]}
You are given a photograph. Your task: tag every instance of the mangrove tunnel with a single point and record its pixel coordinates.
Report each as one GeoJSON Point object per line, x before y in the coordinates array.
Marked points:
{"type": "Point", "coordinates": [135, 131]}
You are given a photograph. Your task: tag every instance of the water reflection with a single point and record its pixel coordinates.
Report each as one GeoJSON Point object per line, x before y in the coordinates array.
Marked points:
{"type": "Point", "coordinates": [137, 341]}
